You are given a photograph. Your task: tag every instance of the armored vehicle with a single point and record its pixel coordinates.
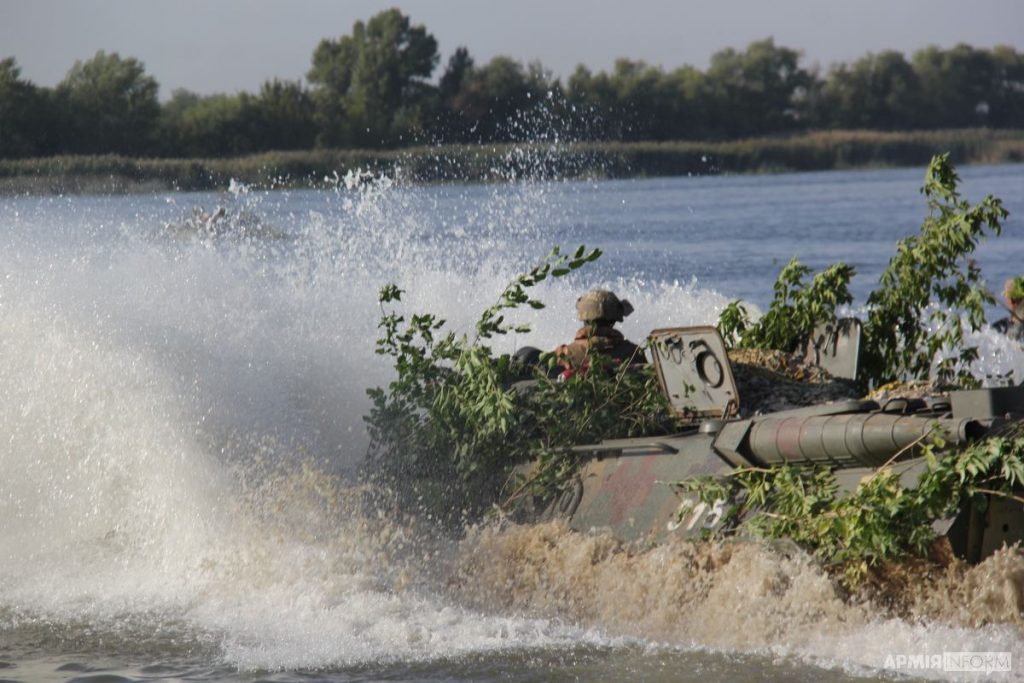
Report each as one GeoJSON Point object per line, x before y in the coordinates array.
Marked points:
{"type": "Point", "coordinates": [624, 485]}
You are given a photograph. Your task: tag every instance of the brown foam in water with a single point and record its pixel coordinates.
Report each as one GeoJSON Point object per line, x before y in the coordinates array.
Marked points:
{"type": "Point", "coordinates": [989, 593]}
{"type": "Point", "coordinates": [741, 596]}
{"type": "Point", "coordinates": [732, 595]}
{"type": "Point", "coordinates": [729, 595]}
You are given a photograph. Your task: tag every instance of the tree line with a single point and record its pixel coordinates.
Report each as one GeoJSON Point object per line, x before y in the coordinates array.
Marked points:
{"type": "Point", "coordinates": [374, 88]}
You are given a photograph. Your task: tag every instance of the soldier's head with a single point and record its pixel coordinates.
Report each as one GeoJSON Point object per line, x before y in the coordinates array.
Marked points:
{"type": "Point", "coordinates": [601, 307]}
{"type": "Point", "coordinates": [1013, 292]}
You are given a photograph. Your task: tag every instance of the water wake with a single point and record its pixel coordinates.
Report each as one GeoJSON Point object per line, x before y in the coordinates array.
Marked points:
{"type": "Point", "coordinates": [737, 597]}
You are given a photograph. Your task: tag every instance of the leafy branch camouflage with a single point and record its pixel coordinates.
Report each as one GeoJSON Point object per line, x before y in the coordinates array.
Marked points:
{"type": "Point", "coordinates": [930, 294]}
{"type": "Point", "coordinates": [881, 520]}
{"type": "Point", "coordinates": [450, 427]}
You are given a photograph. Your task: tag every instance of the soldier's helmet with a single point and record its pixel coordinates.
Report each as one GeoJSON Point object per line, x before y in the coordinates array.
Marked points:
{"type": "Point", "coordinates": [600, 304]}
{"type": "Point", "coordinates": [1013, 292]}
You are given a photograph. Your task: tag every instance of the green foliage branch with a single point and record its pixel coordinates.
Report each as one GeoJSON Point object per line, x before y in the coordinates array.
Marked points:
{"type": "Point", "coordinates": [930, 294]}
{"type": "Point", "coordinates": [880, 521]}
{"type": "Point", "coordinates": [796, 308]}
{"type": "Point", "coordinates": [931, 288]}
{"type": "Point", "coordinates": [450, 427]}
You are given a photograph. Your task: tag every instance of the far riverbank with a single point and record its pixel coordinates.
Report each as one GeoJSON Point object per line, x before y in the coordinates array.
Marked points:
{"type": "Point", "coordinates": [818, 151]}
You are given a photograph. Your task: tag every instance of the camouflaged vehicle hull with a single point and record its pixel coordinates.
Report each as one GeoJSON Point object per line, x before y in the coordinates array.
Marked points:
{"type": "Point", "coordinates": [625, 485]}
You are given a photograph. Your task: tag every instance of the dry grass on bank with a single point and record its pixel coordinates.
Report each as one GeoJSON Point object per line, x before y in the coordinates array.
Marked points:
{"type": "Point", "coordinates": [489, 163]}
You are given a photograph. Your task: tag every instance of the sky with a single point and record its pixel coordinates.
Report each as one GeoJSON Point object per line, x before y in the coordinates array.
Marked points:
{"type": "Point", "coordinates": [210, 46]}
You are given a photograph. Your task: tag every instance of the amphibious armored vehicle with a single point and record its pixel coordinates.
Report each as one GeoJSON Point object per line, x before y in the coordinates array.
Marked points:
{"type": "Point", "coordinates": [624, 485]}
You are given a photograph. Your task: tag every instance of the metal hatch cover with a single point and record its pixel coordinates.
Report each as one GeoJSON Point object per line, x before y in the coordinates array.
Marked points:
{"type": "Point", "coordinates": [694, 372]}
{"type": "Point", "coordinates": [835, 347]}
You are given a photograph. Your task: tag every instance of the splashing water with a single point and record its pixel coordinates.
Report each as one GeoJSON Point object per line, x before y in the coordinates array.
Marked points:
{"type": "Point", "coordinates": [745, 597]}
{"type": "Point", "coordinates": [181, 404]}
{"type": "Point", "coordinates": [162, 381]}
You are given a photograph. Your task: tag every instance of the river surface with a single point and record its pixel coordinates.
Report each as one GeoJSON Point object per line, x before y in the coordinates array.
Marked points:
{"type": "Point", "coordinates": [181, 407]}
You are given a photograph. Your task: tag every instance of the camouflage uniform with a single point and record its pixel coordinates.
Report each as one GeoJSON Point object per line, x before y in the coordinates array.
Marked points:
{"type": "Point", "coordinates": [600, 310]}
{"type": "Point", "coordinates": [604, 340]}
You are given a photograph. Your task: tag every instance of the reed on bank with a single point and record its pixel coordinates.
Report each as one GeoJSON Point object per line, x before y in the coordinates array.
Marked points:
{"type": "Point", "coordinates": [495, 163]}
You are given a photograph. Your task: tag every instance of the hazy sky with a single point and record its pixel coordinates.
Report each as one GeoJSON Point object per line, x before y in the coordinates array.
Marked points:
{"type": "Point", "coordinates": [231, 45]}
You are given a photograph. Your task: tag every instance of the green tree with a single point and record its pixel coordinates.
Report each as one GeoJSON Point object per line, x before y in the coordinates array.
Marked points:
{"type": "Point", "coordinates": [449, 123]}
{"type": "Point", "coordinates": [756, 91]}
{"type": "Point", "coordinates": [688, 115]}
{"type": "Point", "coordinates": [640, 102]}
{"type": "Point", "coordinates": [279, 117]}
{"type": "Point", "coordinates": [494, 98]}
{"type": "Point", "coordinates": [172, 114]}
{"type": "Point", "coordinates": [1006, 105]}
{"type": "Point", "coordinates": [25, 115]}
{"type": "Point", "coordinates": [638, 89]}
{"type": "Point", "coordinates": [282, 116]}
{"type": "Point", "coordinates": [456, 74]}
{"type": "Point", "coordinates": [109, 105]}
{"type": "Point", "coordinates": [371, 85]}
{"type": "Point", "coordinates": [215, 125]}
{"type": "Point", "coordinates": [957, 85]}
{"type": "Point", "coordinates": [592, 95]}
{"type": "Point", "coordinates": [878, 91]}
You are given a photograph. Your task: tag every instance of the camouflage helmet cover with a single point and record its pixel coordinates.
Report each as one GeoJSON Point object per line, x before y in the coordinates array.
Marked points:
{"type": "Point", "coordinates": [1014, 289]}
{"type": "Point", "coordinates": [600, 304]}
{"type": "Point", "coordinates": [1013, 292]}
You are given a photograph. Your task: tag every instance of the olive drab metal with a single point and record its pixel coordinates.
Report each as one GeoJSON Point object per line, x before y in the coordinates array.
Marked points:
{"type": "Point", "coordinates": [624, 485]}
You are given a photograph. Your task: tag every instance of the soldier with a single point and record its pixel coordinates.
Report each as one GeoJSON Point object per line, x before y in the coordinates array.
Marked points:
{"type": "Point", "coordinates": [1013, 325]}
{"type": "Point", "coordinates": [599, 310]}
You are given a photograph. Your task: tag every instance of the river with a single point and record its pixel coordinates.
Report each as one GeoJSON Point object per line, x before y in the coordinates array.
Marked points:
{"type": "Point", "coordinates": [181, 409]}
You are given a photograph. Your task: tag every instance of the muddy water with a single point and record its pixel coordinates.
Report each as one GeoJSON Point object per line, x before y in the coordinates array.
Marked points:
{"type": "Point", "coordinates": [738, 596]}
